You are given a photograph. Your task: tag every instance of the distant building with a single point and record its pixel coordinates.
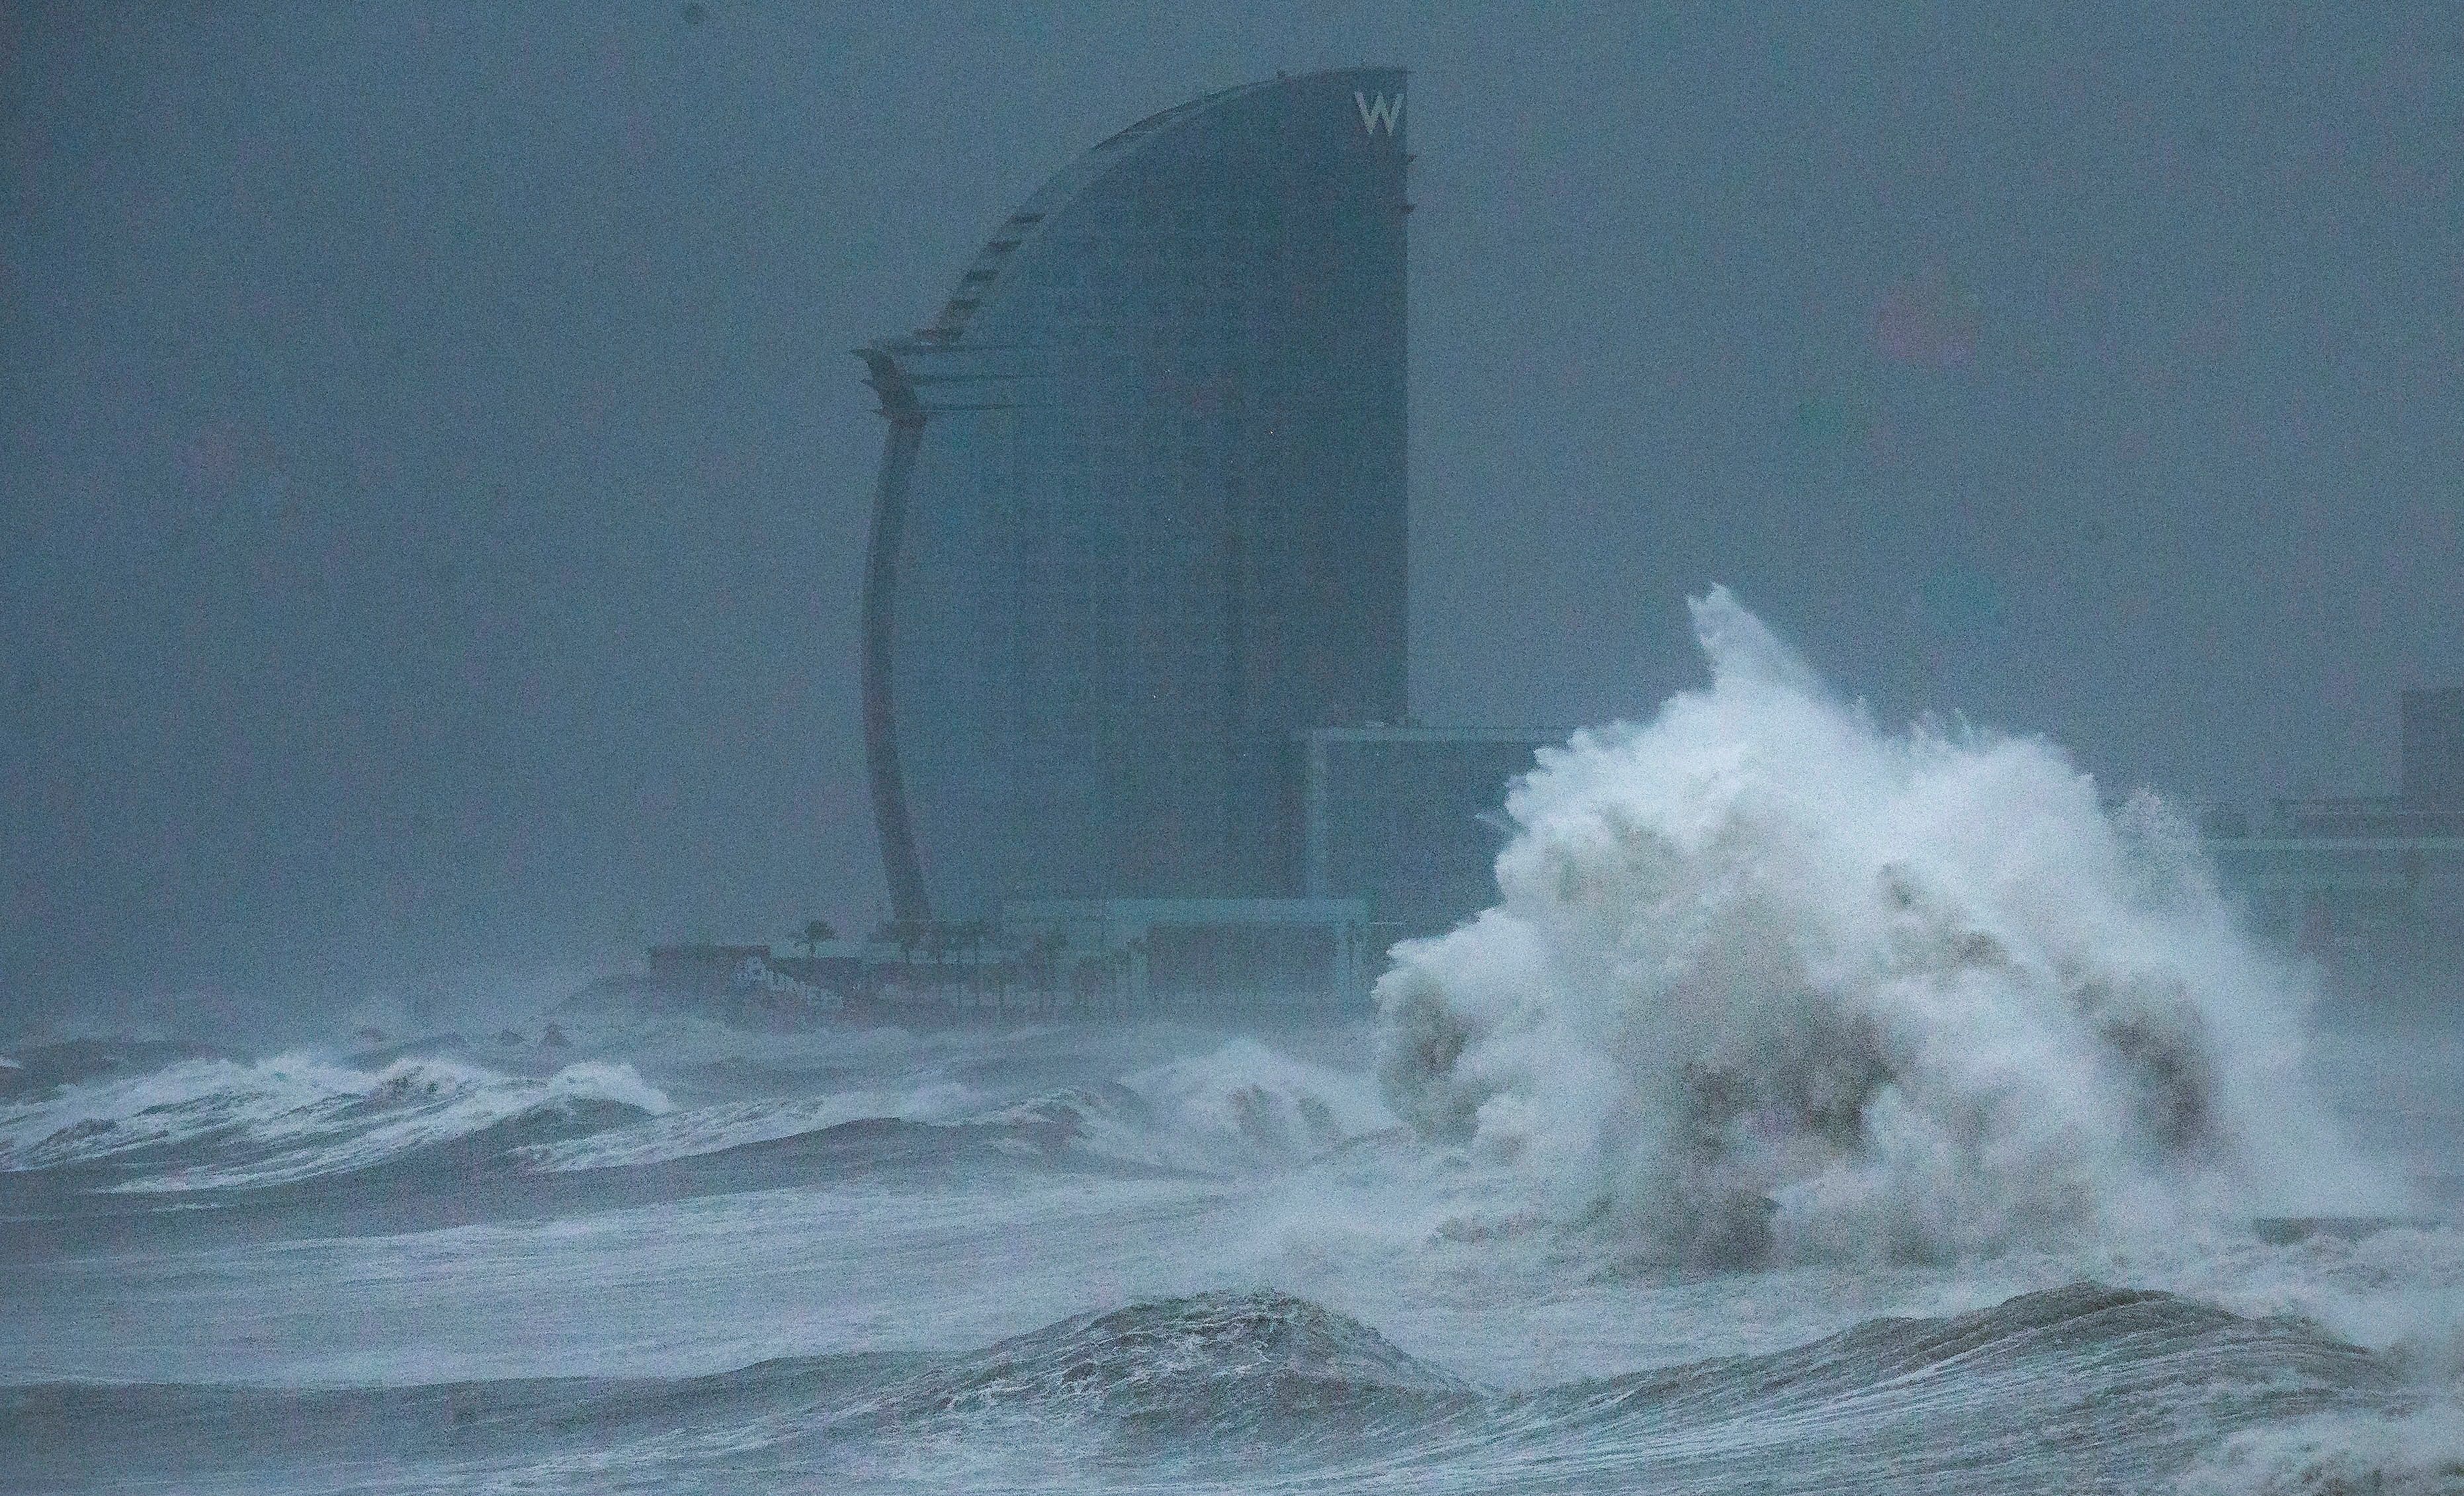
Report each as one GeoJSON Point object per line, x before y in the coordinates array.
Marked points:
{"type": "Point", "coordinates": [700, 967]}
{"type": "Point", "coordinates": [1407, 819]}
{"type": "Point", "coordinates": [743, 983]}
{"type": "Point", "coordinates": [1140, 516]}
{"type": "Point", "coordinates": [2326, 866]}
{"type": "Point", "coordinates": [1203, 957]}
{"type": "Point", "coordinates": [2429, 775]}
{"type": "Point", "coordinates": [2433, 749]}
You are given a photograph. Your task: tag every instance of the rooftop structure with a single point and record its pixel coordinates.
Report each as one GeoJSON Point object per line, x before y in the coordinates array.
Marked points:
{"type": "Point", "coordinates": [1408, 820]}
{"type": "Point", "coordinates": [2433, 749]}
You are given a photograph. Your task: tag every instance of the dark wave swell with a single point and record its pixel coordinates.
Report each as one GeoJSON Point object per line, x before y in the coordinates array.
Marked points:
{"type": "Point", "coordinates": [2079, 1388]}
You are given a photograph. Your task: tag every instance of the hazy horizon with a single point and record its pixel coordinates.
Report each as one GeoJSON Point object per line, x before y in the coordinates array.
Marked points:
{"type": "Point", "coordinates": [435, 480]}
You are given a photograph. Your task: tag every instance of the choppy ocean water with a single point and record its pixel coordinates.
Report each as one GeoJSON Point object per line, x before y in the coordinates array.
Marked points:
{"type": "Point", "coordinates": [1819, 1109]}
{"type": "Point", "coordinates": [699, 1261]}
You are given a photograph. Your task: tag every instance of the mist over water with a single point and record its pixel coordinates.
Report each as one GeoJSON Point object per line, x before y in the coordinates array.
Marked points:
{"type": "Point", "coordinates": [1822, 1107]}
{"type": "Point", "coordinates": [1766, 982]}
{"type": "Point", "coordinates": [436, 564]}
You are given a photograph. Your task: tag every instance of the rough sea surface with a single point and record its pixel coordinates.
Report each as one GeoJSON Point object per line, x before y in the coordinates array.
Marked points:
{"type": "Point", "coordinates": [1821, 1109]}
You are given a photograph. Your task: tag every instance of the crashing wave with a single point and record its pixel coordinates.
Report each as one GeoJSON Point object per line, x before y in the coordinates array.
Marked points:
{"type": "Point", "coordinates": [1765, 980]}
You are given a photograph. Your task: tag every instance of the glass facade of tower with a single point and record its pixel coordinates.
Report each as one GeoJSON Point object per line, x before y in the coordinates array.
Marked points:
{"type": "Point", "coordinates": [1140, 520]}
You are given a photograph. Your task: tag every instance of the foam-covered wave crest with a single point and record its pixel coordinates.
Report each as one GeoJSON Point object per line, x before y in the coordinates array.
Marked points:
{"type": "Point", "coordinates": [717, 1128]}
{"type": "Point", "coordinates": [1764, 979]}
{"type": "Point", "coordinates": [221, 1124]}
{"type": "Point", "coordinates": [2415, 1451]}
{"type": "Point", "coordinates": [1239, 1108]}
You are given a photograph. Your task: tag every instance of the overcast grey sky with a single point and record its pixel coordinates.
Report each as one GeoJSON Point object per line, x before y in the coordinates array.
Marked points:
{"type": "Point", "coordinates": [432, 482]}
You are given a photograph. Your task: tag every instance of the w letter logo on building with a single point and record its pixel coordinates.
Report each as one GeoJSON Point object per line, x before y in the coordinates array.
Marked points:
{"type": "Point", "coordinates": [1385, 111]}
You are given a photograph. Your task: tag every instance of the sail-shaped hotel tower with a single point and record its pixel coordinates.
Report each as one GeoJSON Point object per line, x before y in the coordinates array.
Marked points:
{"type": "Point", "coordinates": [1139, 523]}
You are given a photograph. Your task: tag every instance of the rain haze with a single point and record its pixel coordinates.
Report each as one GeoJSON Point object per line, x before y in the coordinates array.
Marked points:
{"type": "Point", "coordinates": [435, 479]}
{"type": "Point", "coordinates": [1438, 748]}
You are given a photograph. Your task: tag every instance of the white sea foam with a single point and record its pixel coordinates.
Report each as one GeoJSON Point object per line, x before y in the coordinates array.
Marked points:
{"type": "Point", "coordinates": [1241, 1106]}
{"type": "Point", "coordinates": [1765, 980]}
{"type": "Point", "coordinates": [214, 1123]}
{"type": "Point", "coordinates": [2416, 1453]}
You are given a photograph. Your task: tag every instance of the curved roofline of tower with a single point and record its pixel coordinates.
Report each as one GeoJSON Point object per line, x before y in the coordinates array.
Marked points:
{"type": "Point", "coordinates": [895, 382]}
{"type": "Point", "coordinates": [982, 272]}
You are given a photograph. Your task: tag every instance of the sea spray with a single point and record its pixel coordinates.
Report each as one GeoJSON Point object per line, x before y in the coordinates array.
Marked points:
{"type": "Point", "coordinates": [1765, 981]}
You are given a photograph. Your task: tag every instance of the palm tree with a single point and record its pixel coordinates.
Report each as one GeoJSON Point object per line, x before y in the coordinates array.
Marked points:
{"type": "Point", "coordinates": [1045, 956]}
{"type": "Point", "coordinates": [907, 935]}
{"type": "Point", "coordinates": [816, 932]}
{"type": "Point", "coordinates": [1134, 971]}
{"type": "Point", "coordinates": [974, 939]}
